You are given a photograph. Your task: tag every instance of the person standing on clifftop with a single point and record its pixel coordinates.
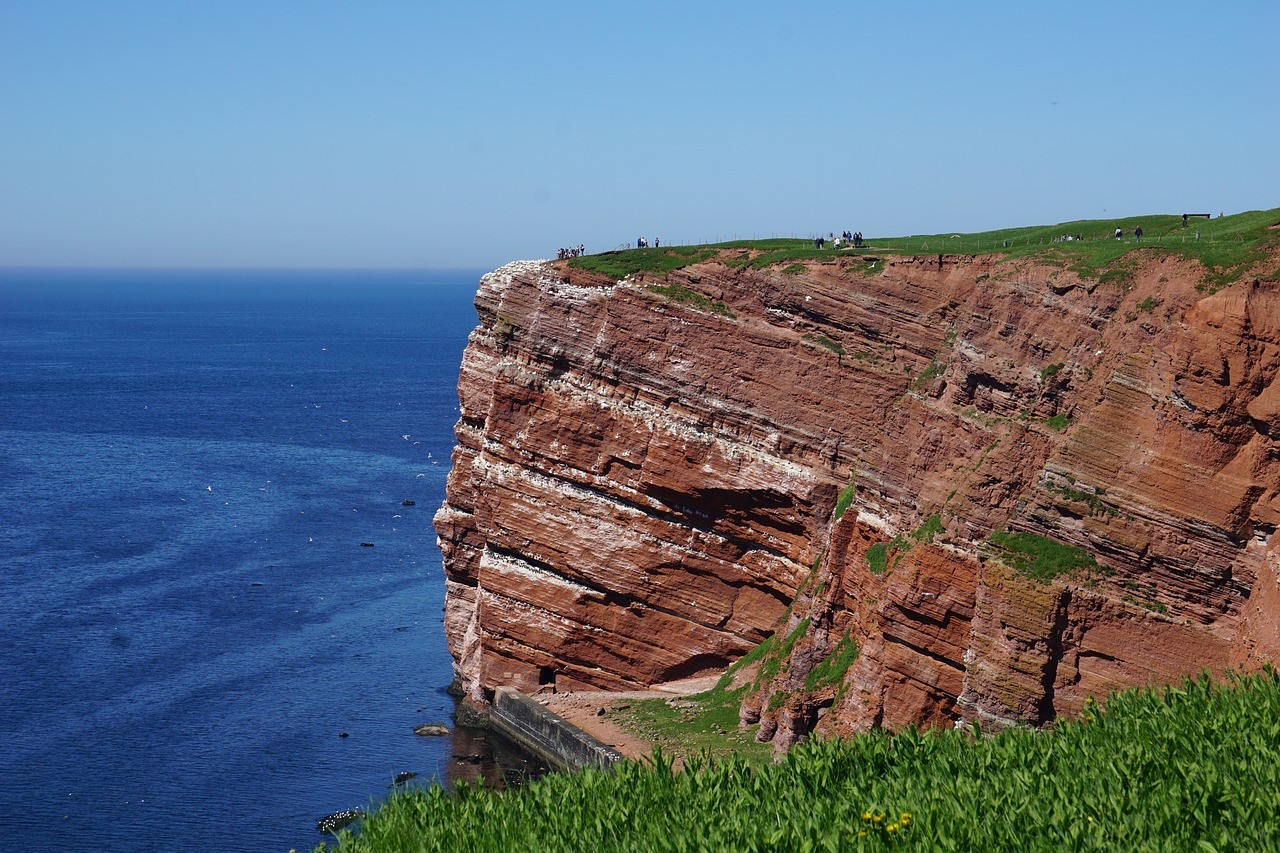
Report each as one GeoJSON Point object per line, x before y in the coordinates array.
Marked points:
{"type": "Point", "coordinates": [1119, 233]}
{"type": "Point", "coordinates": [1137, 233]}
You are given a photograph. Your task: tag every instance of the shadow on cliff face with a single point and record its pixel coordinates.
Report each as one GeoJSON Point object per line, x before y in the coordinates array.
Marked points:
{"type": "Point", "coordinates": [707, 508]}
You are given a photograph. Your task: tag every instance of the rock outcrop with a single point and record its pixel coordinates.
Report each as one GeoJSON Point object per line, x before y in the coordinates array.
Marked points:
{"type": "Point", "coordinates": [647, 474]}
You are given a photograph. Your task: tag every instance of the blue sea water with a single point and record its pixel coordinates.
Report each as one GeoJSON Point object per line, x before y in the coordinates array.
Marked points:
{"type": "Point", "coordinates": [189, 465]}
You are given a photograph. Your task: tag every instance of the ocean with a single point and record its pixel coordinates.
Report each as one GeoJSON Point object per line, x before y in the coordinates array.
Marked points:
{"type": "Point", "coordinates": [221, 616]}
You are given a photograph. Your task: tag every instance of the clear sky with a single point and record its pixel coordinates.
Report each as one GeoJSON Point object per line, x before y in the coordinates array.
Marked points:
{"type": "Point", "coordinates": [430, 134]}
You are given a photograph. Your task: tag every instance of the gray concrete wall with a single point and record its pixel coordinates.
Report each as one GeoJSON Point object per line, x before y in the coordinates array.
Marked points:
{"type": "Point", "coordinates": [546, 733]}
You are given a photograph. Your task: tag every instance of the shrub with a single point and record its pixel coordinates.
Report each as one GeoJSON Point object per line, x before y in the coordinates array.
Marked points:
{"type": "Point", "coordinates": [1190, 767]}
{"type": "Point", "coordinates": [832, 668]}
{"type": "Point", "coordinates": [931, 528]}
{"type": "Point", "coordinates": [826, 342]}
{"type": "Point", "coordinates": [845, 499]}
{"type": "Point", "coordinates": [1051, 371]}
{"type": "Point", "coordinates": [1057, 422]}
{"type": "Point", "coordinates": [931, 372]}
{"type": "Point", "coordinates": [1043, 559]}
{"type": "Point", "coordinates": [687, 296]}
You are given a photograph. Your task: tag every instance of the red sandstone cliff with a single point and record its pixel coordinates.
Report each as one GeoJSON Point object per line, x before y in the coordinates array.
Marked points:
{"type": "Point", "coordinates": [643, 489]}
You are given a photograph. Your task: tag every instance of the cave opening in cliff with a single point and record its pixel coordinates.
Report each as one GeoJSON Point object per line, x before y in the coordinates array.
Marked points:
{"type": "Point", "coordinates": [547, 675]}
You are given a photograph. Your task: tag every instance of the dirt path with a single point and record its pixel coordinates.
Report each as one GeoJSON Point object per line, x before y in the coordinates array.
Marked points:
{"type": "Point", "coordinates": [592, 711]}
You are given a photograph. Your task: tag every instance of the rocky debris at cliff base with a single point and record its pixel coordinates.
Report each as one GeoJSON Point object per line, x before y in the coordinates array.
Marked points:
{"type": "Point", "coordinates": [431, 729]}
{"type": "Point", "coordinates": [401, 778]}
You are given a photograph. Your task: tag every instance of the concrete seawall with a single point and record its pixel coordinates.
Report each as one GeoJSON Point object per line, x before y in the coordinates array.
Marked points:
{"type": "Point", "coordinates": [546, 733]}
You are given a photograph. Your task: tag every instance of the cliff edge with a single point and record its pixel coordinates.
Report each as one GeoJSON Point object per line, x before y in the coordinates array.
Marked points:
{"type": "Point", "coordinates": [937, 488]}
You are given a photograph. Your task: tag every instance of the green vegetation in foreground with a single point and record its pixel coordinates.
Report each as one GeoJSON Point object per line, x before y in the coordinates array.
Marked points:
{"type": "Point", "coordinates": [1043, 559]}
{"type": "Point", "coordinates": [686, 296]}
{"type": "Point", "coordinates": [1192, 767]}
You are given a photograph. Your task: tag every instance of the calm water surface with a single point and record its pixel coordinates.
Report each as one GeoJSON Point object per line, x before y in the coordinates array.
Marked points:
{"type": "Point", "coordinates": [190, 464]}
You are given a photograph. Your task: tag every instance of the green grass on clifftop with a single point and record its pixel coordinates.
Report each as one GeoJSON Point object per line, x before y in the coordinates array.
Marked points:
{"type": "Point", "coordinates": [621, 264]}
{"type": "Point", "coordinates": [1227, 246]}
{"type": "Point", "coordinates": [1195, 767]}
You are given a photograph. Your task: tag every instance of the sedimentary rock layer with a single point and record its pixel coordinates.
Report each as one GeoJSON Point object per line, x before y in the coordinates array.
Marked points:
{"type": "Point", "coordinates": [644, 482]}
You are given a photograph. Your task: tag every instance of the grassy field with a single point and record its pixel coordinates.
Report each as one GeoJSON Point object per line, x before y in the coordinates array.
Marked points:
{"type": "Point", "coordinates": [1194, 767]}
{"type": "Point", "coordinates": [703, 724]}
{"type": "Point", "coordinates": [1226, 247]}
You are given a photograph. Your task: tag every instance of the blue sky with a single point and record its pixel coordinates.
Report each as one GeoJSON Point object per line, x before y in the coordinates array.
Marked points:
{"type": "Point", "coordinates": [423, 134]}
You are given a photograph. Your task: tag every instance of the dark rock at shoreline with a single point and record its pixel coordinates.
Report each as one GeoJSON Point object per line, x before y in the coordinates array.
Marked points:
{"type": "Point", "coordinates": [401, 778]}
{"type": "Point", "coordinates": [471, 715]}
{"type": "Point", "coordinates": [337, 820]}
{"type": "Point", "coordinates": [431, 729]}
{"type": "Point", "coordinates": [407, 502]}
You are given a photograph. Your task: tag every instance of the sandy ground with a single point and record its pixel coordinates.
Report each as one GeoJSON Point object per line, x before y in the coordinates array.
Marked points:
{"type": "Point", "coordinates": [590, 711]}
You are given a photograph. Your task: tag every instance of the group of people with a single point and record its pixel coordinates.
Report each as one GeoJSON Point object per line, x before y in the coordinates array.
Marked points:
{"type": "Point", "coordinates": [570, 252]}
{"type": "Point", "coordinates": [854, 237]}
{"type": "Point", "coordinates": [1137, 233]}
{"type": "Point", "coordinates": [1068, 238]}
{"type": "Point", "coordinates": [642, 243]}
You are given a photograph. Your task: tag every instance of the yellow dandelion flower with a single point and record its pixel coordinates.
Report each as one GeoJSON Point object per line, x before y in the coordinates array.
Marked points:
{"type": "Point", "coordinates": [866, 815]}
{"type": "Point", "coordinates": [905, 816]}
{"type": "Point", "coordinates": [893, 827]}
{"type": "Point", "coordinates": [879, 817]}
{"type": "Point", "coordinates": [862, 833]}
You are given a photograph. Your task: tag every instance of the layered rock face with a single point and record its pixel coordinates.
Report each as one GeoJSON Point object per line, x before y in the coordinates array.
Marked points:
{"type": "Point", "coordinates": [647, 473]}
